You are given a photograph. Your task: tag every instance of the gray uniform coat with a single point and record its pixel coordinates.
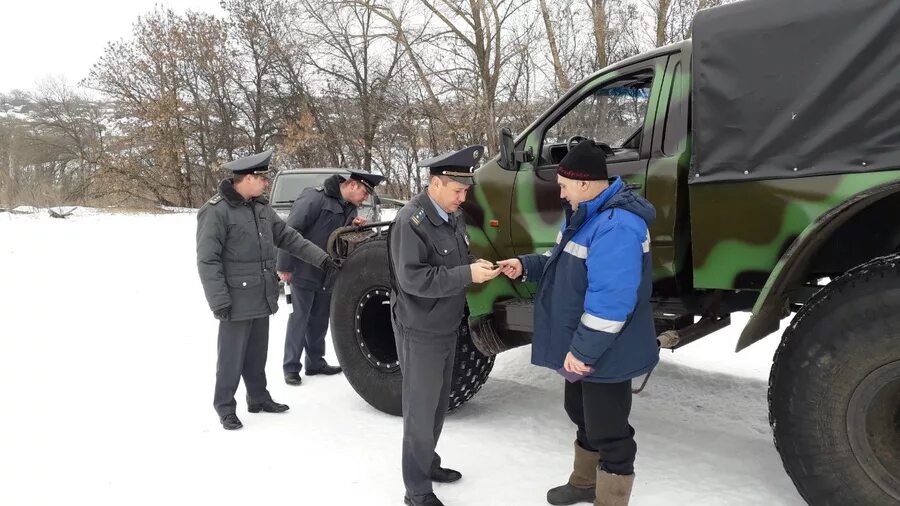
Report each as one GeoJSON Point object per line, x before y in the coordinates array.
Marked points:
{"type": "Point", "coordinates": [236, 242]}
{"type": "Point", "coordinates": [430, 265]}
{"type": "Point", "coordinates": [316, 213]}
{"type": "Point", "coordinates": [430, 270]}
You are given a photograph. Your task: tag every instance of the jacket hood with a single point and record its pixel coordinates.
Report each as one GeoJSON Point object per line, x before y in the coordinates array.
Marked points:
{"type": "Point", "coordinates": [622, 197]}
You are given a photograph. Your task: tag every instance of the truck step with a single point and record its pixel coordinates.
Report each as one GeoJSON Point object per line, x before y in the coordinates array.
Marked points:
{"type": "Point", "coordinates": [676, 338]}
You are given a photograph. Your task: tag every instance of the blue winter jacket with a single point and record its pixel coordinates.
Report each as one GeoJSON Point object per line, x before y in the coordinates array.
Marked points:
{"type": "Point", "coordinates": [594, 289]}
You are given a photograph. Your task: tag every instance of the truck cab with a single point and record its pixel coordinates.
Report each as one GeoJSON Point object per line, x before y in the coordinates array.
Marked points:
{"type": "Point", "coordinates": [772, 157]}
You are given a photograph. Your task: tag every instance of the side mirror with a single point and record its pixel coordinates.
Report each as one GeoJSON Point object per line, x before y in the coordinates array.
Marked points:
{"type": "Point", "coordinates": [507, 149]}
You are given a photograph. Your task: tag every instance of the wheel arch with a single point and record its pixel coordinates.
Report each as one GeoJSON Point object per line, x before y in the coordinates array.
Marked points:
{"type": "Point", "coordinates": [800, 260]}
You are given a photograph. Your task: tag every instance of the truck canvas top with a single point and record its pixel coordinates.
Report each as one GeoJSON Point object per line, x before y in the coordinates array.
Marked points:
{"type": "Point", "coordinates": [795, 89]}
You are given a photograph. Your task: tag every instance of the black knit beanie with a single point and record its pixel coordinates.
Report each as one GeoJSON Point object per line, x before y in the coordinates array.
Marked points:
{"type": "Point", "coordinates": [586, 162]}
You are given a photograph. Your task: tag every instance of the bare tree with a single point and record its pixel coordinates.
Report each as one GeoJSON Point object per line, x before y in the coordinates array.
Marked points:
{"type": "Point", "coordinates": [479, 34]}
{"type": "Point", "coordinates": [359, 61]}
{"type": "Point", "coordinates": [249, 20]}
{"type": "Point", "coordinates": [559, 72]}
{"type": "Point", "coordinates": [408, 37]}
{"type": "Point", "coordinates": [70, 131]}
{"type": "Point", "coordinates": [207, 73]}
{"type": "Point", "coordinates": [673, 18]}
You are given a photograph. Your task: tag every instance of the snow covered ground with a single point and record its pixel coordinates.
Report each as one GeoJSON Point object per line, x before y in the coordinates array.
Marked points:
{"type": "Point", "coordinates": [107, 362]}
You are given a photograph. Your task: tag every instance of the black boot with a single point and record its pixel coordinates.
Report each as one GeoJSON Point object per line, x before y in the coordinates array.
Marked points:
{"type": "Point", "coordinates": [326, 369]}
{"type": "Point", "coordinates": [425, 500]}
{"type": "Point", "coordinates": [568, 494]}
{"type": "Point", "coordinates": [582, 481]}
{"type": "Point", "coordinates": [293, 378]}
{"type": "Point", "coordinates": [444, 475]}
{"type": "Point", "coordinates": [230, 422]}
{"type": "Point", "coordinates": [268, 406]}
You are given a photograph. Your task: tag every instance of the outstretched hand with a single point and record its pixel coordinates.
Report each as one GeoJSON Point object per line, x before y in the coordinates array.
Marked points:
{"type": "Point", "coordinates": [512, 268]}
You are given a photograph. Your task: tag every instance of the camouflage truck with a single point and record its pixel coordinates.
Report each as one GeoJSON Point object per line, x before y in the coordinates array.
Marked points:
{"type": "Point", "coordinates": [770, 146]}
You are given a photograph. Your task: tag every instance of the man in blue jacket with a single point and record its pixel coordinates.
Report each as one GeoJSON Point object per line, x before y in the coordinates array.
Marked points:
{"type": "Point", "coordinates": [593, 321]}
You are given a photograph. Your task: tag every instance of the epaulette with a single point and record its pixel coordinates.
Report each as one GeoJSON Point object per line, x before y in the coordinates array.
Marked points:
{"type": "Point", "coordinates": [418, 216]}
{"type": "Point", "coordinates": [215, 199]}
{"type": "Point", "coordinates": [320, 188]}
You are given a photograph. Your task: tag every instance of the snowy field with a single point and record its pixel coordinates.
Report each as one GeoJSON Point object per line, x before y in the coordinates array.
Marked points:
{"type": "Point", "coordinates": [107, 363]}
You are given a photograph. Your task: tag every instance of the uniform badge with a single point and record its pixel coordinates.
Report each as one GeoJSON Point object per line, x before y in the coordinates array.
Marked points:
{"type": "Point", "coordinates": [215, 199]}
{"type": "Point", "coordinates": [417, 217]}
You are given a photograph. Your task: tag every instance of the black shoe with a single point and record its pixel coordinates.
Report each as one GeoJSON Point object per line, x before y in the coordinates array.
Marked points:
{"type": "Point", "coordinates": [444, 475]}
{"type": "Point", "coordinates": [269, 406]}
{"type": "Point", "coordinates": [328, 370]}
{"type": "Point", "coordinates": [425, 500]}
{"type": "Point", "coordinates": [568, 494]}
{"type": "Point", "coordinates": [230, 422]}
{"type": "Point", "coordinates": [293, 378]}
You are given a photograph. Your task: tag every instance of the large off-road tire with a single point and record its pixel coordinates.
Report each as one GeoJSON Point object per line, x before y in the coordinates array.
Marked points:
{"type": "Point", "coordinates": [834, 390]}
{"type": "Point", "coordinates": [364, 340]}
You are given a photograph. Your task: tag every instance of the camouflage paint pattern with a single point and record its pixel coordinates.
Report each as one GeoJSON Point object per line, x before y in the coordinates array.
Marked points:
{"type": "Point", "coordinates": [741, 230]}
{"type": "Point", "coordinates": [727, 236]}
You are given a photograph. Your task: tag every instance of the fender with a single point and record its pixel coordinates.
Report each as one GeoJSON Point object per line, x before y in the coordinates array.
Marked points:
{"type": "Point", "coordinates": [772, 304]}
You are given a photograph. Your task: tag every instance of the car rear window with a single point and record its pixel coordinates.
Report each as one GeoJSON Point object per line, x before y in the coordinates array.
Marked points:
{"type": "Point", "coordinates": [288, 186]}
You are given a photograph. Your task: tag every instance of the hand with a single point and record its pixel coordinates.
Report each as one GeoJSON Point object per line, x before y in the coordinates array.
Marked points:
{"type": "Point", "coordinates": [483, 261]}
{"type": "Point", "coordinates": [576, 366]}
{"type": "Point", "coordinates": [359, 221]}
{"type": "Point", "coordinates": [285, 276]}
{"type": "Point", "coordinates": [512, 268]}
{"type": "Point", "coordinates": [222, 313]}
{"type": "Point", "coordinates": [483, 271]}
{"type": "Point", "coordinates": [330, 263]}
{"type": "Point", "coordinates": [331, 266]}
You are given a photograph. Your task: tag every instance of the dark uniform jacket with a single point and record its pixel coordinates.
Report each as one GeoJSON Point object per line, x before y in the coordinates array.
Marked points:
{"type": "Point", "coordinates": [430, 268]}
{"type": "Point", "coordinates": [236, 242]}
{"type": "Point", "coordinates": [316, 213]}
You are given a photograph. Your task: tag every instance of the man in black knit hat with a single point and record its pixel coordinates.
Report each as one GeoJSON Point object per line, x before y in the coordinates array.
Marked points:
{"type": "Point", "coordinates": [593, 322]}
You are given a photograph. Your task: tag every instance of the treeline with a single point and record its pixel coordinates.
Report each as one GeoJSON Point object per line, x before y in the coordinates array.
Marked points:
{"type": "Point", "coordinates": [370, 84]}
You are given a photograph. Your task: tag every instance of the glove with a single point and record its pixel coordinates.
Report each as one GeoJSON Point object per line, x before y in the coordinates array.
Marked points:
{"type": "Point", "coordinates": [331, 266]}
{"type": "Point", "coordinates": [331, 263]}
{"type": "Point", "coordinates": [222, 313]}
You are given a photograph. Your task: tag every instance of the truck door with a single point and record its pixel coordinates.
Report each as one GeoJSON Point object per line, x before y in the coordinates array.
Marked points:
{"type": "Point", "coordinates": [617, 108]}
{"type": "Point", "coordinates": [666, 185]}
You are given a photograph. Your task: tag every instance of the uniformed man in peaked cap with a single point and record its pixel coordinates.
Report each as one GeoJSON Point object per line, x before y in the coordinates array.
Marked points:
{"type": "Point", "coordinates": [431, 267]}
{"type": "Point", "coordinates": [237, 232]}
{"type": "Point", "coordinates": [316, 213]}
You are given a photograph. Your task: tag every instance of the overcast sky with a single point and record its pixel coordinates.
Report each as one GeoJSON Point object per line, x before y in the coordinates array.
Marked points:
{"type": "Point", "coordinates": [39, 38]}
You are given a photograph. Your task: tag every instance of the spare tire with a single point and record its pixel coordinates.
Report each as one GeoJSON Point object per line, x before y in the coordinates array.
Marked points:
{"type": "Point", "coordinates": [364, 339]}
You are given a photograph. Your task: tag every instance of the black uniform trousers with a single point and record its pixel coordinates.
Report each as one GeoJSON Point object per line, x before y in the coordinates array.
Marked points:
{"type": "Point", "coordinates": [306, 329]}
{"type": "Point", "coordinates": [427, 365]}
{"type": "Point", "coordinates": [243, 347]}
{"type": "Point", "coordinates": [600, 410]}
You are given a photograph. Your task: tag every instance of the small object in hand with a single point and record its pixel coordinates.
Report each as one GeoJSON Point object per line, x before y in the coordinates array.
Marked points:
{"type": "Point", "coordinates": [571, 377]}
{"type": "Point", "coordinates": [287, 297]}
